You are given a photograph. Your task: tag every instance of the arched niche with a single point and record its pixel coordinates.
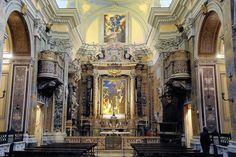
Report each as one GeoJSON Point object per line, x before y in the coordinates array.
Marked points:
{"type": "Point", "coordinates": [209, 35]}
{"type": "Point", "coordinates": [19, 34]}
{"type": "Point", "coordinates": [212, 74]}
{"type": "Point", "coordinates": [18, 41]}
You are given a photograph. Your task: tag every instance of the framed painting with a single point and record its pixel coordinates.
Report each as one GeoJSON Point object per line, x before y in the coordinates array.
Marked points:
{"type": "Point", "coordinates": [115, 28]}
{"type": "Point", "coordinates": [114, 95]}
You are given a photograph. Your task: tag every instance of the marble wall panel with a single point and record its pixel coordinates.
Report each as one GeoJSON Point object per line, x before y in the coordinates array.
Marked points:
{"type": "Point", "coordinates": [19, 97]}
{"type": "Point", "coordinates": [209, 98]}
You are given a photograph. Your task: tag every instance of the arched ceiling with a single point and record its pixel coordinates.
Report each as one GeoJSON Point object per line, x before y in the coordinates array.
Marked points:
{"type": "Point", "coordinates": [89, 10]}
{"type": "Point", "coordinates": [87, 7]}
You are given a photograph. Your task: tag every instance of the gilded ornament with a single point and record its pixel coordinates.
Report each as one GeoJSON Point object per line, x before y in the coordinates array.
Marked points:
{"type": "Point", "coordinates": [48, 55]}
{"type": "Point", "coordinates": [204, 8]}
{"type": "Point", "coordinates": [180, 27]}
{"type": "Point", "coordinates": [24, 8]}
{"type": "Point", "coordinates": [114, 72]}
{"type": "Point", "coordinates": [48, 27]}
{"type": "Point", "coordinates": [1, 35]}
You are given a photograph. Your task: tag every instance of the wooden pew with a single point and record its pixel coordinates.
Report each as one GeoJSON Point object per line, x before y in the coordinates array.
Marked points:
{"type": "Point", "coordinates": [89, 146]}
{"type": "Point", "coordinates": [162, 150]}
{"type": "Point", "coordinates": [167, 150]}
{"type": "Point", "coordinates": [58, 150]}
{"type": "Point", "coordinates": [48, 153]}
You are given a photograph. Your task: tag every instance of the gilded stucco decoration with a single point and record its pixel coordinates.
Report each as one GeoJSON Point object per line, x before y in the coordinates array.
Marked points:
{"type": "Point", "coordinates": [113, 53]}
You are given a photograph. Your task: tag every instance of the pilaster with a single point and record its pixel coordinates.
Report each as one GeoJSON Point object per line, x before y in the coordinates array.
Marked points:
{"type": "Point", "coordinates": [230, 57]}
{"type": "Point", "coordinates": [2, 32]}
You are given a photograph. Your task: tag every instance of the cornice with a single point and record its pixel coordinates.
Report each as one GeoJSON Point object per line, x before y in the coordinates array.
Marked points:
{"type": "Point", "coordinates": [70, 17]}
{"type": "Point", "coordinates": [32, 11]}
{"type": "Point", "coordinates": [159, 15]}
{"type": "Point", "coordinates": [177, 12]}
{"type": "Point", "coordinates": [195, 11]}
{"type": "Point", "coordinates": [179, 9]}
{"type": "Point", "coordinates": [167, 35]}
{"type": "Point", "coordinates": [65, 13]}
{"type": "Point", "coordinates": [56, 15]}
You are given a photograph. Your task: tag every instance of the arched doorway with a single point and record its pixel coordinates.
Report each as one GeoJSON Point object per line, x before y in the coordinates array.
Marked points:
{"type": "Point", "coordinates": [15, 75]}
{"type": "Point", "coordinates": [212, 75]}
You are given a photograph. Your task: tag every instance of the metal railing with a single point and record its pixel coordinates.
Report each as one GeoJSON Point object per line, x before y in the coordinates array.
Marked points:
{"type": "Point", "coordinates": [9, 137]}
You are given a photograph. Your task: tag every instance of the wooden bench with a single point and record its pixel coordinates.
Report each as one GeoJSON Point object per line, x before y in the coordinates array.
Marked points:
{"type": "Point", "coordinates": [58, 150]}
{"type": "Point", "coordinates": [165, 150]}
{"type": "Point", "coordinates": [89, 146]}
{"type": "Point", "coordinates": [48, 153]}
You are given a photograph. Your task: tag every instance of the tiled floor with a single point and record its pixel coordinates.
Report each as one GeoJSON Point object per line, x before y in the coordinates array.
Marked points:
{"type": "Point", "coordinates": [114, 153]}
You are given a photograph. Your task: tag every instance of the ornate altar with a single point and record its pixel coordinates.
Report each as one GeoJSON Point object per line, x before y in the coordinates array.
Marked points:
{"type": "Point", "coordinates": [109, 94]}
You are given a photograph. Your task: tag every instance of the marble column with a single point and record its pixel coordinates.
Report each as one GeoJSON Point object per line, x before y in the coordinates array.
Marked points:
{"type": "Point", "coordinates": [132, 103]}
{"type": "Point", "coordinates": [58, 109]}
{"type": "Point", "coordinates": [59, 133]}
{"type": "Point", "coordinates": [96, 120]}
{"type": "Point", "coordinates": [95, 95]}
{"type": "Point", "coordinates": [131, 124]}
{"type": "Point", "coordinates": [65, 90]}
{"type": "Point", "coordinates": [70, 101]}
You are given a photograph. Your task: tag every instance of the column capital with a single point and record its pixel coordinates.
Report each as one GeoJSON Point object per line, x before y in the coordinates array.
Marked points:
{"type": "Point", "coordinates": [133, 74]}
{"type": "Point", "coordinates": [39, 27]}
{"type": "Point", "coordinates": [95, 74]}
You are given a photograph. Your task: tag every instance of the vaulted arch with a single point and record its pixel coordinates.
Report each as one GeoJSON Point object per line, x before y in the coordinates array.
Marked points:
{"type": "Point", "coordinates": [20, 34]}
{"type": "Point", "coordinates": [209, 34]}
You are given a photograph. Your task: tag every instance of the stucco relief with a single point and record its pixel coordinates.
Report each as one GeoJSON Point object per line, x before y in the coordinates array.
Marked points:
{"type": "Point", "coordinates": [39, 27]}
{"type": "Point", "coordinates": [60, 45]}
{"type": "Point", "coordinates": [113, 53]}
{"type": "Point", "coordinates": [189, 27]}
{"type": "Point", "coordinates": [168, 45]}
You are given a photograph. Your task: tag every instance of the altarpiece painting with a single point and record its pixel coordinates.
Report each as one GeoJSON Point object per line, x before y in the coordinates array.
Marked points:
{"type": "Point", "coordinates": [114, 95]}
{"type": "Point", "coordinates": [114, 28]}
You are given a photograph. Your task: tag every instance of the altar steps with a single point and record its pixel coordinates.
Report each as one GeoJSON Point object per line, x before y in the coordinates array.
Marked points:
{"type": "Point", "coordinates": [114, 153]}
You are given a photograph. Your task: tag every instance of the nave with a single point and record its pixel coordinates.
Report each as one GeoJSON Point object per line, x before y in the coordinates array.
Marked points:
{"type": "Point", "coordinates": [90, 150]}
{"type": "Point", "coordinates": [117, 78]}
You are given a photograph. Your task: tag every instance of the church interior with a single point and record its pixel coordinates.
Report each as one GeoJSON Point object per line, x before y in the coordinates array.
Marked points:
{"type": "Point", "coordinates": [117, 77]}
